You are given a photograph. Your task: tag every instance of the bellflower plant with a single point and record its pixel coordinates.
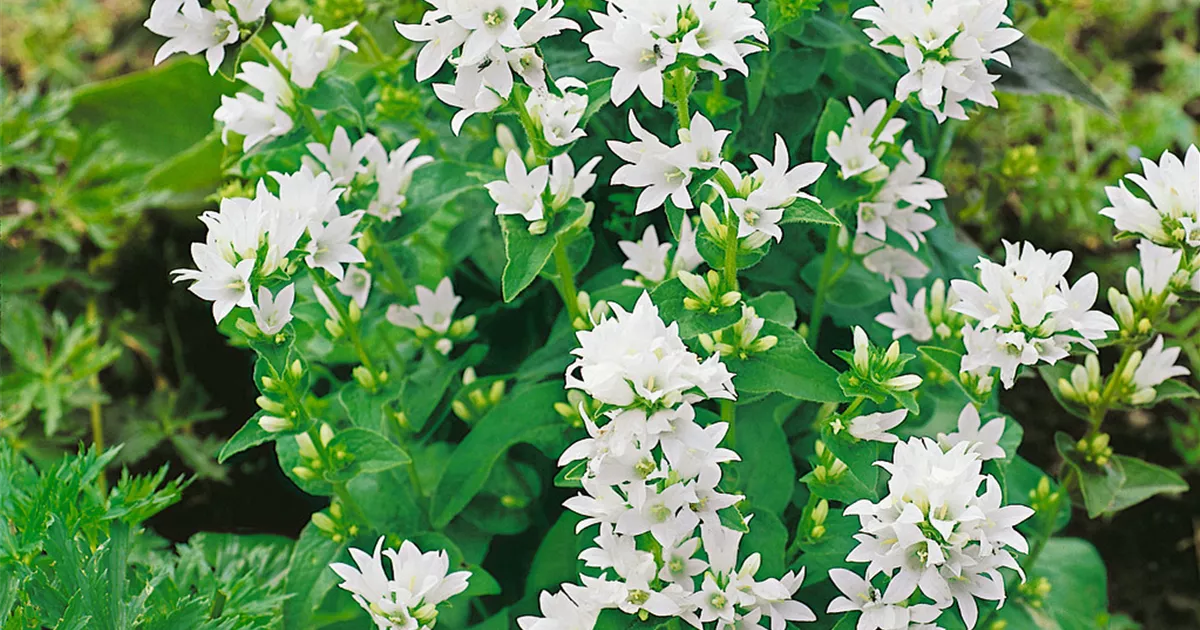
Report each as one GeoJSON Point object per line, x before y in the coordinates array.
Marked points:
{"type": "Point", "coordinates": [652, 315]}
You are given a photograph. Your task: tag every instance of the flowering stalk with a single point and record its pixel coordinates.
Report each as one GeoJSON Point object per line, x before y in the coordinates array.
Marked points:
{"type": "Point", "coordinates": [349, 319]}
{"type": "Point", "coordinates": [306, 112]}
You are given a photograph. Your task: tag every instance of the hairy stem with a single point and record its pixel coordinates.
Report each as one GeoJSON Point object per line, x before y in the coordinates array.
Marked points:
{"type": "Point", "coordinates": [728, 414]}
{"type": "Point", "coordinates": [731, 251]}
{"type": "Point", "coordinates": [682, 94]}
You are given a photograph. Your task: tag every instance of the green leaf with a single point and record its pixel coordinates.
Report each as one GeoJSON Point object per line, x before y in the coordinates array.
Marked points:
{"type": "Point", "coordinates": [768, 537]}
{"type": "Point", "coordinates": [669, 296]}
{"type": "Point", "coordinates": [1078, 596]}
{"type": "Point", "coordinates": [571, 475]}
{"type": "Point", "coordinates": [527, 254]}
{"type": "Point", "coordinates": [181, 94]}
{"type": "Point", "coordinates": [833, 118]}
{"type": "Point", "coordinates": [1051, 374]}
{"type": "Point", "coordinates": [824, 32]}
{"type": "Point", "coordinates": [372, 452]}
{"type": "Point", "coordinates": [598, 93]}
{"type": "Point", "coordinates": [733, 518]}
{"type": "Point", "coordinates": [309, 578]}
{"type": "Point", "coordinates": [1020, 478]}
{"type": "Point", "coordinates": [950, 362]}
{"type": "Point", "coordinates": [1039, 70]}
{"type": "Point", "coordinates": [249, 436]}
{"type": "Point", "coordinates": [554, 561]}
{"type": "Point", "coordinates": [795, 70]}
{"type": "Point", "coordinates": [766, 474]}
{"type": "Point", "coordinates": [614, 619]}
{"type": "Point", "coordinates": [1121, 483]}
{"type": "Point", "coordinates": [808, 211]}
{"type": "Point", "coordinates": [775, 306]}
{"type": "Point", "coordinates": [521, 417]}
{"type": "Point", "coordinates": [1144, 480]}
{"type": "Point", "coordinates": [791, 368]}
{"type": "Point", "coordinates": [1173, 389]}
{"type": "Point", "coordinates": [336, 95]}
{"type": "Point", "coordinates": [831, 549]}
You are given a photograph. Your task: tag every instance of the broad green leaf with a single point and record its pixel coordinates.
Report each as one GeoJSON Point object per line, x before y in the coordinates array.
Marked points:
{"type": "Point", "coordinates": [822, 31]}
{"type": "Point", "coordinates": [181, 95]}
{"type": "Point", "coordinates": [1099, 485]}
{"type": "Point", "coordinates": [614, 619]}
{"type": "Point", "coordinates": [571, 475]}
{"type": "Point", "coordinates": [554, 561]}
{"type": "Point", "coordinates": [1144, 480]}
{"type": "Point", "coordinates": [309, 578]}
{"type": "Point", "coordinates": [527, 254]}
{"type": "Point", "coordinates": [766, 474]}
{"type": "Point", "coordinates": [775, 306]}
{"type": "Point", "coordinates": [523, 416]}
{"type": "Point", "coordinates": [598, 93]}
{"type": "Point", "coordinates": [335, 95]}
{"type": "Point", "coordinates": [1039, 70]}
{"type": "Point", "coordinates": [795, 70]}
{"type": "Point", "coordinates": [425, 388]}
{"type": "Point", "coordinates": [371, 452]}
{"type": "Point", "coordinates": [247, 437]}
{"type": "Point", "coordinates": [1020, 478]}
{"type": "Point", "coordinates": [192, 173]}
{"type": "Point", "coordinates": [791, 368]}
{"type": "Point", "coordinates": [669, 296]}
{"type": "Point", "coordinates": [831, 549]}
{"type": "Point", "coordinates": [1078, 597]}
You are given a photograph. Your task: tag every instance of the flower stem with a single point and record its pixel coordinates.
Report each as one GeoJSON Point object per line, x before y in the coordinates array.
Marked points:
{"type": "Point", "coordinates": [351, 328]}
{"type": "Point", "coordinates": [682, 94]}
{"type": "Point", "coordinates": [887, 117]}
{"type": "Point", "coordinates": [728, 415]}
{"type": "Point", "coordinates": [566, 281]}
{"type": "Point", "coordinates": [1100, 409]}
{"type": "Point", "coordinates": [731, 251]}
{"type": "Point", "coordinates": [818, 310]}
{"type": "Point", "coordinates": [373, 49]}
{"type": "Point", "coordinates": [343, 494]}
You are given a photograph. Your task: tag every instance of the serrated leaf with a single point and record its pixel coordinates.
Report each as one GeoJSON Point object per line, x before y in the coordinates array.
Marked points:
{"type": "Point", "coordinates": [527, 254]}
{"type": "Point", "coordinates": [808, 211]}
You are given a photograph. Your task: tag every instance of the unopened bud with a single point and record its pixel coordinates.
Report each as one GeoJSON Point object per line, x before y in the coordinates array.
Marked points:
{"type": "Point", "coordinates": [820, 512]}
{"type": "Point", "coordinates": [271, 406]}
{"type": "Point", "coordinates": [730, 298]}
{"type": "Point", "coordinates": [268, 383]}
{"type": "Point", "coordinates": [443, 346]}
{"type": "Point", "coordinates": [326, 434]}
{"type": "Point", "coordinates": [706, 341]}
{"type": "Point", "coordinates": [304, 473]}
{"type": "Point", "coordinates": [462, 327]}
{"type": "Point", "coordinates": [296, 370]}
{"type": "Point", "coordinates": [513, 502]}
{"type": "Point", "coordinates": [308, 450]}
{"type": "Point", "coordinates": [893, 353]}
{"type": "Point", "coordinates": [272, 424]}
{"type": "Point", "coordinates": [354, 312]}
{"type": "Point", "coordinates": [364, 377]}
{"type": "Point", "coordinates": [537, 228]}
{"type": "Point", "coordinates": [496, 393]}
{"type": "Point", "coordinates": [334, 328]}
{"type": "Point", "coordinates": [468, 376]}
{"type": "Point", "coordinates": [323, 522]}
{"type": "Point", "coordinates": [903, 383]}
{"type": "Point", "coordinates": [460, 409]}
{"type": "Point", "coordinates": [247, 328]}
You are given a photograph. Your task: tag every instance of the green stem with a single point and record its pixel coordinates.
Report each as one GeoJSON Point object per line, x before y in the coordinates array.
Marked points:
{"type": "Point", "coordinates": [887, 117]}
{"type": "Point", "coordinates": [532, 132]}
{"type": "Point", "coordinates": [944, 144]}
{"type": "Point", "coordinates": [728, 414]}
{"type": "Point", "coordinates": [350, 328]}
{"type": "Point", "coordinates": [306, 113]}
{"type": "Point", "coordinates": [818, 310]}
{"type": "Point", "coordinates": [566, 281]}
{"type": "Point", "coordinates": [1096, 413]}
{"type": "Point", "coordinates": [854, 406]}
{"type": "Point", "coordinates": [395, 275]}
{"type": "Point", "coordinates": [343, 495]}
{"type": "Point", "coordinates": [373, 49]}
{"type": "Point", "coordinates": [682, 94]}
{"type": "Point", "coordinates": [731, 251]}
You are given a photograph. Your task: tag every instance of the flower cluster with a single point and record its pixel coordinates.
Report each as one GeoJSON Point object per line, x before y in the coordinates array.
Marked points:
{"type": "Point", "coordinates": [945, 45]}
{"type": "Point", "coordinates": [486, 47]}
{"type": "Point", "coordinates": [432, 317]}
{"type": "Point", "coordinates": [408, 600]}
{"type": "Point", "coordinates": [651, 260]}
{"type": "Point", "coordinates": [1026, 312]}
{"type": "Point", "coordinates": [934, 531]}
{"type": "Point", "coordinates": [304, 51]}
{"type": "Point", "coordinates": [651, 475]}
{"type": "Point", "coordinates": [191, 29]}
{"type": "Point", "coordinates": [256, 241]}
{"type": "Point", "coordinates": [643, 40]}
{"type": "Point", "coordinates": [364, 163]}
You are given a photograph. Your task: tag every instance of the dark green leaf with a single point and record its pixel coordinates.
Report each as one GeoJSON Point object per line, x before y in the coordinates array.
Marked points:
{"type": "Point", "coordinates": [808, 211]}
{"type": "Point", "coordinates": [527, 254]}
{"type": "Point", "coordinates": [1039, 70]}
{"type": "Point", "coordinates": [669, 296]}
{"type": "Point", "coordinates": [791, 368]}
{"type": "Point", "coordinates": [775, 306]}
{"type": "Point", "coordinates": [309, 577]}
{"type": "Point", "coordinates": [372, 452]}
{"type": "Point", "coordinates": [249, 436]}
{"type": "Point", "coordinates": [766, 474]}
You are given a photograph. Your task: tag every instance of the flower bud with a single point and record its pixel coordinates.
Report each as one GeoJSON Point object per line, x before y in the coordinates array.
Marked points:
{"type": "Point", "coordinates": [401, 419]}
{"type": "Point", "coordinates": [861, 350]}
{"type": "Point", "coordinates": [308, 450]}
{"type": "Point", "coordinates": [711, 223]}
{"type": "Point", "coordinates": [334, 328]}
{"type": "Point", "coordinates": [1092, 363]}
{"type": "Point", "coordinates": [271, 406]}
{"type": "Point", "coordinates": [326, 434]}
{"type": "Point", "coordinates": [323, 522]}
{"type": "Point", "coordinates": [903, 383]}
{"type": "Point", "coordinates": [538, 228]}
{"type": "Point", "coordinates": [443, 346]}
{"type": "Point", "coordinates": [496, 393]}
{"type": "Point", "coordinates": [460, 409]}
{"type": "Point", "coordinates": [463, 327]}
{"type": "Point", "coordinates": [706, 341]}
{"type": "Point", "coordinates": [247, 328]}
{"type": "Point", "coordinates": [820, 512]}
{"type": "Point", "coordinates": [272, 424]}
{"type": "Point", "coordinates": [268, 383]}
{"type": "Point", "coordinates": [296, 370]}
{"type": "Point", "coordinates": [730, 298]}
{"type": "Point", "coordinates": [307, 474]}
{"type": "Point", "coordinates": [364, 377]}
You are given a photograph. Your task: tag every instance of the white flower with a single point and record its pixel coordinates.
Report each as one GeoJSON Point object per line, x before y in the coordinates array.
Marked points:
{"type": "Point", "coordinates": [308, 49]}
{"type": "Point", "coordinates": [639, 57]}
{"type": "Point", "coordinates": [256, 120]}
{"type": "Point", "coordinates": [875, 426]}
{"type": "Point", "coordinates": [216, 279]}
{"type": "Point", "coordinates": [982, 439]}
{"type": "Point", "coordinates": [521, 193]}
{"type": "Point", "coordinates": [859, 595]}
{"type": "Point", "coordinates": [932, 527]}
{"type": "Point", "coordinates": [434, 309]}
{"type": "Point", "coordinates": [560, 612]}
{"type": "Point", "coordinates": [893, 263]}
{"type": "Point", "coordinates": [250, 10]}
{"type": "Point", "coordinates": [1173, 190]}
{"type": "Point", "coordinates": [331, 245]}
{"type": "Point", "coordinates": [272, 313]}
{"type": "Point", "coordinates": [356, 285]}
{"type": "Point", "coordinates": [1155, 366]}
{"type": "Point", "coordinates": [190, 29]}
{"type": "Point", "coordinates": [647, 257]}
{"type": "Point", "coordinates": [567, 184]}
{"type": "Point", "coordinates": [394, 174]}
{"type": "Point", "coordinates": [661, 170]}
{"type": "Point", "coordinates": [854, 150]}
{"type": "Point", "coordinates": [895, 206]}
{"type": "Point", "coordinates": [907, 320]}
{"type": "Point", "coordinates": [559, 116]}
{"type": "Point", "coordinates": [724, 25]}
{"type": "Point", "coordinates": [634, 355]}
{"type": "Point", "coordinates": [1153, 282]}
{"type": "Point", "coordinates": [945, 44]}
{"type": "Point", "coordinates": [442, 37]}
{"type": "Point", "coordinates": [761, 196]}
{"type": "Point", "coordinates": [341, 159]}
{"type": "Point", "coordinates": [408, 599]}
{"type": "Point", "coordinates": [773, 597]}
{"type": "Point", "coordinates": [1029, 304]}
{"type": "Point", "coordinates": [687, 256]}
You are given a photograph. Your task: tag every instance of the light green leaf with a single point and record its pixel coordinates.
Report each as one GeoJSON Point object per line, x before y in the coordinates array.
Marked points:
{"type": "Point", "coordinates": [808, 211]}
{"type": "Point", "coordinates": [833, 118]}
{"type": "Point", "coordinates": [768, 537]}
{"type": "Point", "coordinates": [372, 452]}
{"type": "Point", "coordinates": [775, 306]}
{"type": "Point", "coordinates": [1144, 480]}
{"type": "Point", "coordinates": [249, 436]}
